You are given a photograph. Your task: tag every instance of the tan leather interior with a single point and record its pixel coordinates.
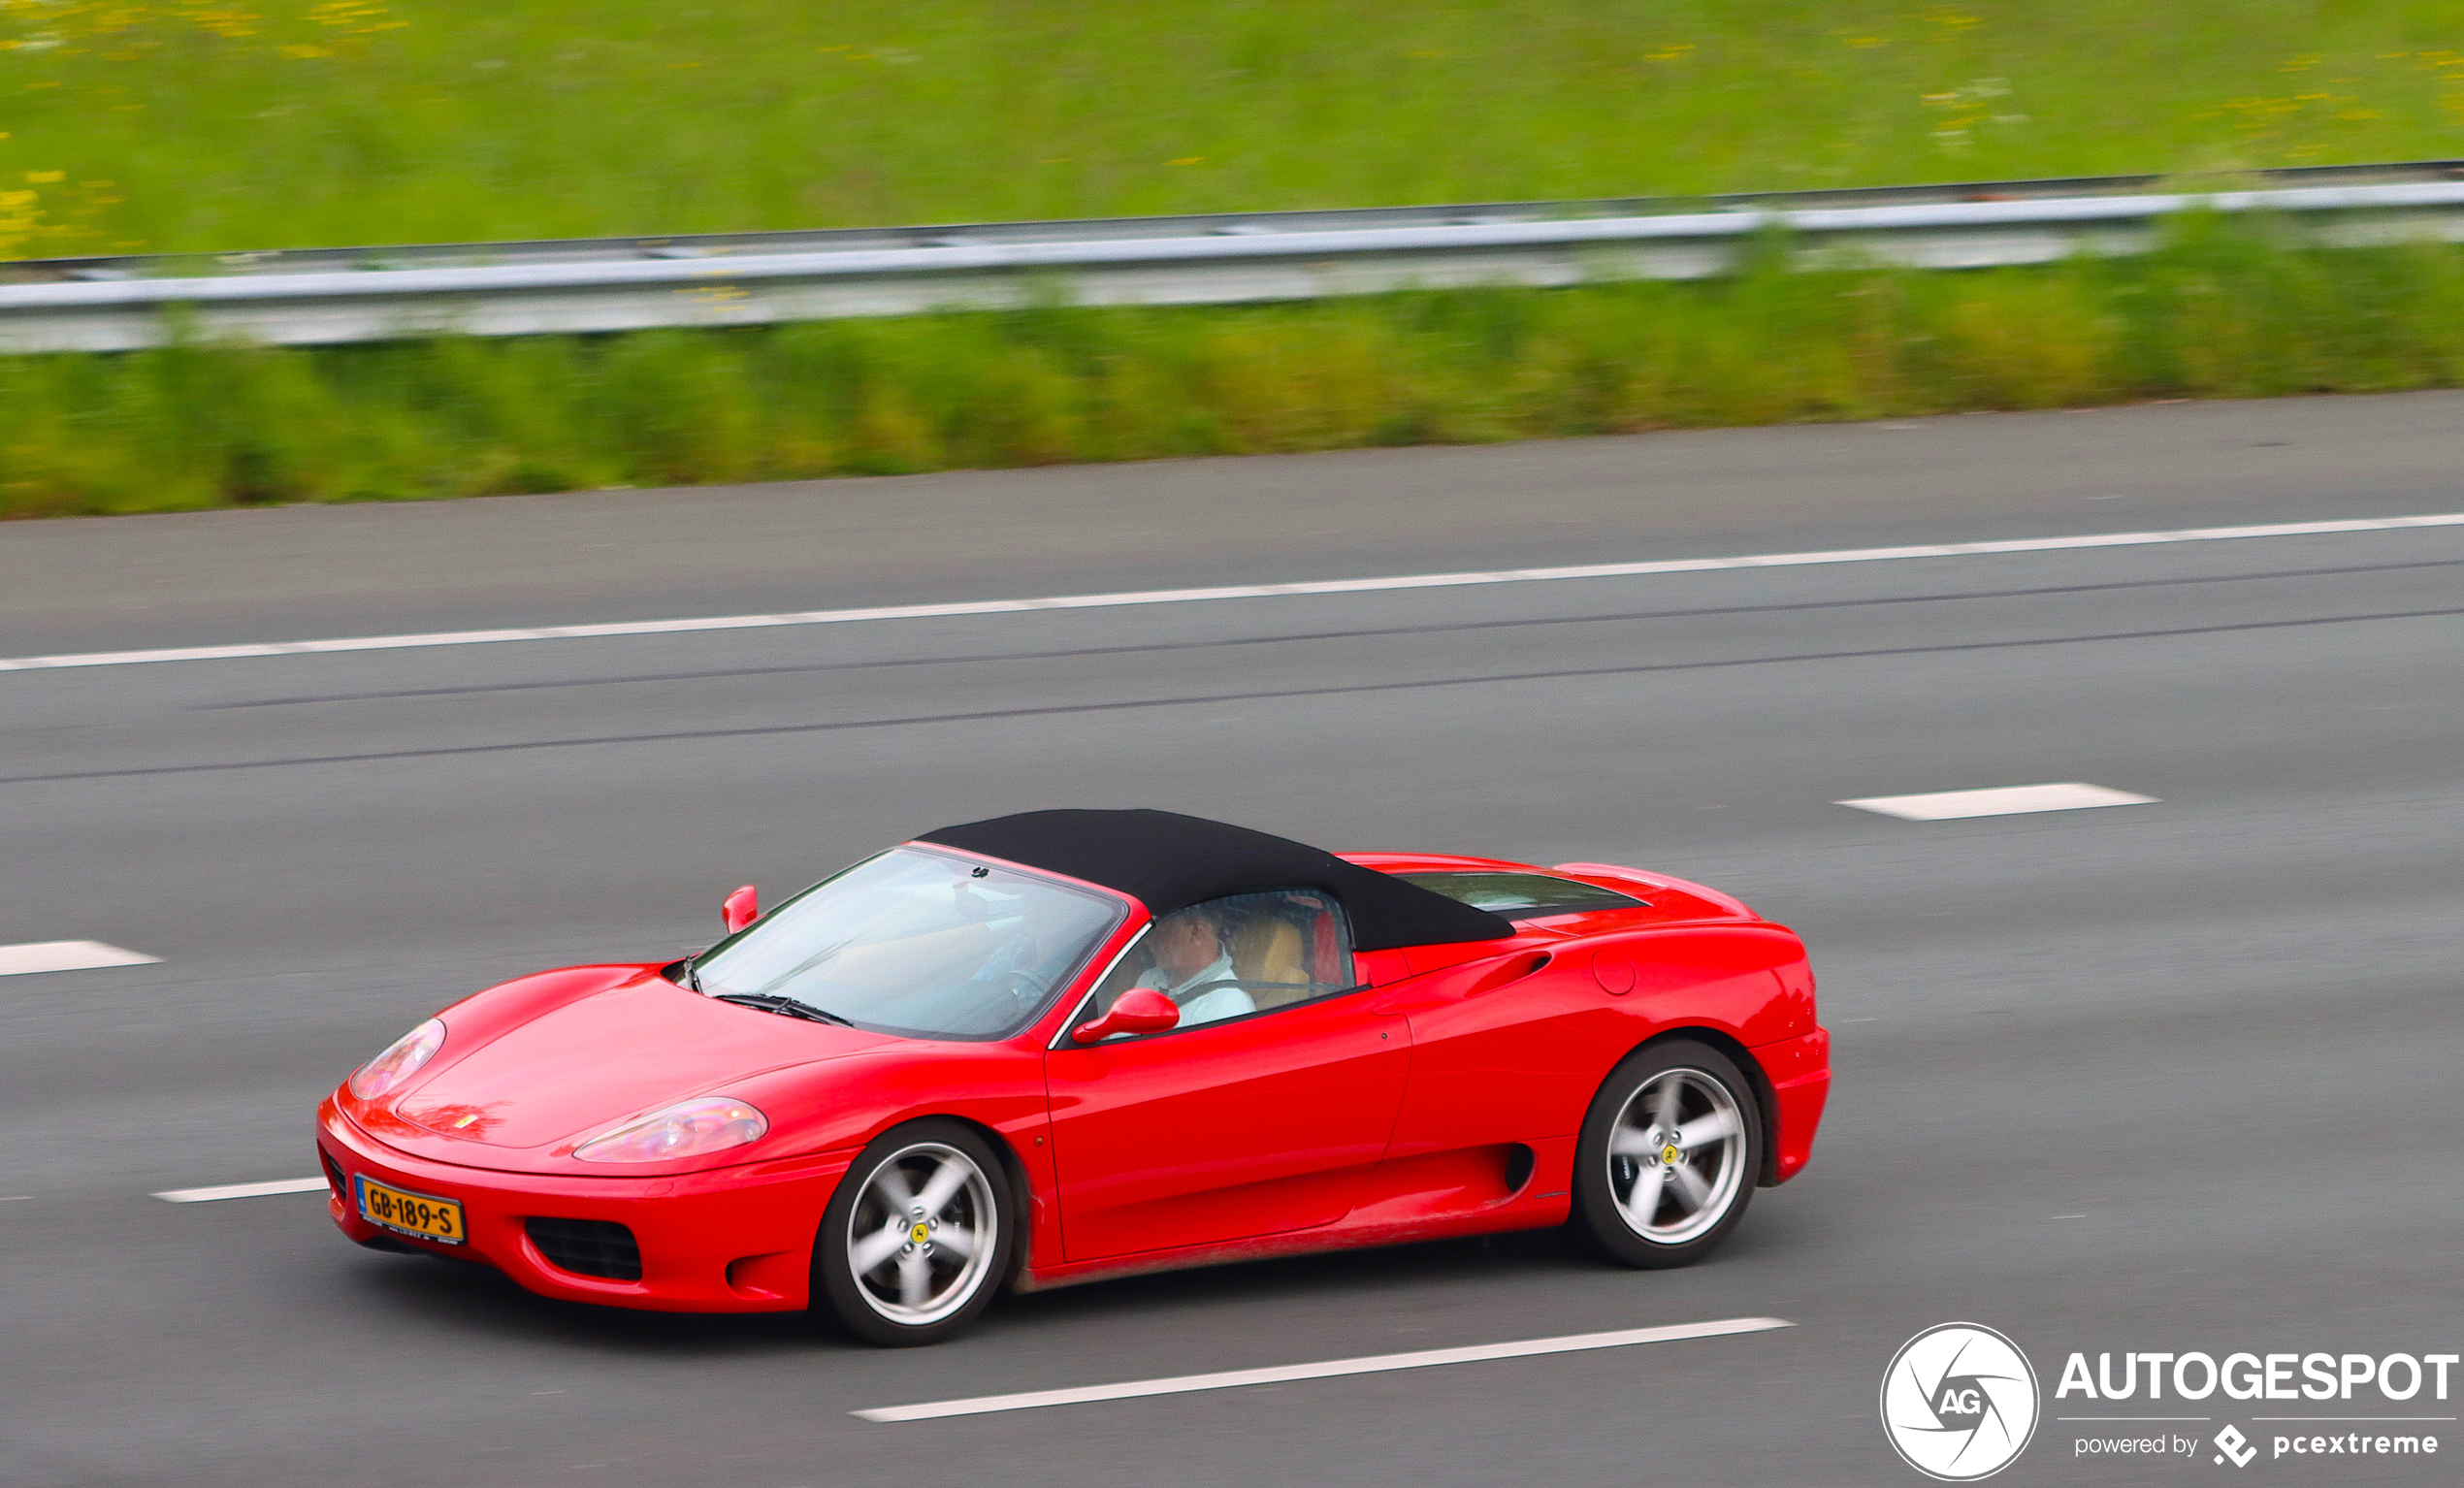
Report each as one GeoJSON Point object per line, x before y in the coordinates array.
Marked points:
{"type": "Point", "coordinates": [1266, 952]}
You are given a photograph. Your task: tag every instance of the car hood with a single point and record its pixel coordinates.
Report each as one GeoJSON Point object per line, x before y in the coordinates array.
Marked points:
{"type": "Point", "coordinates": [581, 1068]}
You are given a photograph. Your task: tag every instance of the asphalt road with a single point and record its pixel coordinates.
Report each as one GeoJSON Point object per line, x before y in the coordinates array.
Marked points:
{"type": "Point", "coordinates": [2171, 1076]}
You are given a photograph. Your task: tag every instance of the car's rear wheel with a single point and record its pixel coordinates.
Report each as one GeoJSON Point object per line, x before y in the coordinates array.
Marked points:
{"type": "Point", "coordinates": [1669, 1156]}
{"type": "Point", "coordinates": [917, 1238]}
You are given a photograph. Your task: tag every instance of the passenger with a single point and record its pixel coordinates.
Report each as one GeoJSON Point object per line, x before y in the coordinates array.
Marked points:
{"type": "Point", "coordinates": [1194, 968]}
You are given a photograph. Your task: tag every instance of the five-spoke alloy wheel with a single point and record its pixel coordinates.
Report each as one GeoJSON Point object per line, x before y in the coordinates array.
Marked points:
{"type": "Point", "coordinates": [1669, 1154]}
{"type": "Point", "coordinates": [913, 1244]}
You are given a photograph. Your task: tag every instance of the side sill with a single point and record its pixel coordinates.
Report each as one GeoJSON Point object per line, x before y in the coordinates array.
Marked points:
{"type": "Point", "coordinates": [1538, 1212]}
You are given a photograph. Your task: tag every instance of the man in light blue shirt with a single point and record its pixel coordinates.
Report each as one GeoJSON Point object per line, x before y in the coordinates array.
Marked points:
{"type": "Point", "coordinates": [1194, 968]}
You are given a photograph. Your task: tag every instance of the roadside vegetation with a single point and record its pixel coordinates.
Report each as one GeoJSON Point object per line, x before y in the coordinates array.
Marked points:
{"type": "Point", "coordinates": [222, 125]}
{"type": "Point", "coordinates": [2221, 311]}
{"type": "Point", "coordinates": [226, 125]}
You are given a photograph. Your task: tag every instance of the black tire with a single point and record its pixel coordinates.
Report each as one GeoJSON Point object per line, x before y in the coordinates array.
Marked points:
{"type": "Point", "coordinates": [1615, 1184]}
{"type": "Point", "coordinates": [882, 1305]}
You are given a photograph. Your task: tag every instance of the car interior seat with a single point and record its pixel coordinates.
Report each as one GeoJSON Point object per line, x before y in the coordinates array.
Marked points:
{"type": "Point", "coordinates": [1268, 959]}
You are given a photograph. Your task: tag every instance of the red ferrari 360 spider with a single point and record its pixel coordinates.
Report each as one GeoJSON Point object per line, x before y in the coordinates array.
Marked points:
{"type": "Point", "coordinates": [1068, 1045]}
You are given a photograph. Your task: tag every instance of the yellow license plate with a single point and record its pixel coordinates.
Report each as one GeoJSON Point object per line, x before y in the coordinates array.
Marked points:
{"type": "Point", "coordinates": [412, 1214]}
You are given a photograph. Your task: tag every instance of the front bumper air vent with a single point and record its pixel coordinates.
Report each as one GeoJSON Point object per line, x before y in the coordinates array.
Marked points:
{"type": "Point", "coordinates": [590, 1247]}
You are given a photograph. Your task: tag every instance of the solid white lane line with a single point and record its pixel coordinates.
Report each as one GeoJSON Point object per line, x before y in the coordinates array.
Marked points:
{"type": "Point", "coordinates": [1997, 802]}
{"type": "Point", "coordinates": [241, 1190]}
{"type": "Point", "coordinates": [1375, 1364]}
{"type": "Point", "coordinates": [1227, 592]}
{"type": "Point", "coordinates": [67, 955]}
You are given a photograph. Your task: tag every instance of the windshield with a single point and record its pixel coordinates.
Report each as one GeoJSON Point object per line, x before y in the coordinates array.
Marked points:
{"type": "Point", "coordinates": [916, 943]}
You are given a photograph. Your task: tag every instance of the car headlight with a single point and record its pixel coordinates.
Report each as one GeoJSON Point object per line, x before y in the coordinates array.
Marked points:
{"type": "Point", "coordinates": [400, 1061]}
{"type": "Point", "coordinates": [713, 1123]}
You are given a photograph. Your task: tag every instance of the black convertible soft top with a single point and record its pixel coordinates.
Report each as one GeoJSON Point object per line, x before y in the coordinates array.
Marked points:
{"type": "Point", "coordinates": [1169, 861]}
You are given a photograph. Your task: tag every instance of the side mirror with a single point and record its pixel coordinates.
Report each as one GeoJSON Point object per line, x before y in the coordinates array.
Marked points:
{"type": "Point", "coordinates": [740, 909]}
{"type": "Point", "coordinates": [1139, 1009]}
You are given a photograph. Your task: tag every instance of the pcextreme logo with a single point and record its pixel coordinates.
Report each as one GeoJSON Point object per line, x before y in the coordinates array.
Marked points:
{"type": "Point", "coordinates": [1960, 1402]}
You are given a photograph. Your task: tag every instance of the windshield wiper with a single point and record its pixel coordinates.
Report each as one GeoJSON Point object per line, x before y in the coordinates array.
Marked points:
{"type": "Point", "coordinates": [785, 1007]}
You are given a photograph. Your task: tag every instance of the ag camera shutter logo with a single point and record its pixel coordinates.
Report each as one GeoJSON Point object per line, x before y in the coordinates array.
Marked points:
{"type": "Point", "coordinates": [1960, 1402]}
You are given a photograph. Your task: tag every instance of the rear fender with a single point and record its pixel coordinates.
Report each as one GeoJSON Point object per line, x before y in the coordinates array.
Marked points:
{"type": "Point", "coordinates": [1749, 980]}
{"type": "Point", "coordinates": [1736, 988]}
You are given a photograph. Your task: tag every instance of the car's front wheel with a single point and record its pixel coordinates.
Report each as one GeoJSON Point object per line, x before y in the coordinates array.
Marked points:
{"type": "Point", "coordinates": [916, 1240]}
{"type": "Point", "coordinates": [1669, 1156]}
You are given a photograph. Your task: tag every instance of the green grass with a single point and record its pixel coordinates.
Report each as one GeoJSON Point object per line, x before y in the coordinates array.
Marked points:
{"type": "Point", "coordinates": [2219, 312]}
{"type": "Point", "coordinates": [183, 125]}
{"type": "Point", "coordinates": [201, 125]}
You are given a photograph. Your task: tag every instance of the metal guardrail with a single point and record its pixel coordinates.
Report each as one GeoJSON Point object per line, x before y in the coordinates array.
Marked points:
{"type": "Point", "coordinates": [325, 296]}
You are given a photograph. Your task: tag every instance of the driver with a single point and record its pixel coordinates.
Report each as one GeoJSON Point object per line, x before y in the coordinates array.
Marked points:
{"type": "Point", "coordinates": [1194, 968]}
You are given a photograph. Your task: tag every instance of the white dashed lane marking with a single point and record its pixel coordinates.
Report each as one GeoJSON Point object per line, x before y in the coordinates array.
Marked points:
{"type": "Point", "coordinates": [1228, 592]}
{"type": "Point", "coordinates": [1375, 1364]}
{"type": "Point", "coordinates": [1997, 802]}
{"type": "Point", "coordinates": [241, 1190]}
{"type": "Point", "coordinates": [67, 955]}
